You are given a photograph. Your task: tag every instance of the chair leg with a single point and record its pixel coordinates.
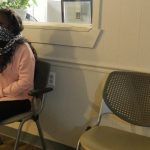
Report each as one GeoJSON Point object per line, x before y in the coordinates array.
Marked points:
{"type": "Point", "coordinates": [18, 134]}
{"type": "Point", "coordinates": [1, 142]}
{"type": "Point", "coordinates": [78, 146]}
{"type": "Point", "coordinates": [40, 134]}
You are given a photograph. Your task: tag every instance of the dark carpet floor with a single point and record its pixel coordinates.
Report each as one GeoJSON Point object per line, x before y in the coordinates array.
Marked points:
{"type": "Point", "coordinates": [8, 144]}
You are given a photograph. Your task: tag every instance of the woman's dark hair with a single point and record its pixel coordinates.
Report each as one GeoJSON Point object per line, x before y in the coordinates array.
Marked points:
{"type": "Point", "coordinates": [15, 26]}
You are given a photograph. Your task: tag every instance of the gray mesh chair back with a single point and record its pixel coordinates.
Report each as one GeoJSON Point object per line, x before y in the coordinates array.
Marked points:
{"type": "Point", "coordinates": [127, 94]}
{"type": "Point", "coordinates": [42, 71]}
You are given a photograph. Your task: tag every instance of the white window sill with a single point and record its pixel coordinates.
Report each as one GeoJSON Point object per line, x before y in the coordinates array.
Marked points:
{"type": "Point", "coordinates": [58, 26]}
{"type": "Point", "coordinates": [79, 35]}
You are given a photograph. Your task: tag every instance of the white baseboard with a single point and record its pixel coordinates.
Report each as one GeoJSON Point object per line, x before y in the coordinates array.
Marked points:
{"type": "Point", "coordinates": [33, 139]}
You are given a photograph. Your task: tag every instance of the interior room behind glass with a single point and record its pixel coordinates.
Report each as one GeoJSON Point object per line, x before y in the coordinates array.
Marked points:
{"type": "Point", "coordinates": [67, 11]}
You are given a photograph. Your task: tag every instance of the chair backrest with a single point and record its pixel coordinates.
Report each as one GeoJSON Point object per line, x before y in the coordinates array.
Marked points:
{"type": "Point", "coordinates": [41, 77]}
{"type": "Point", "coordinates": [42, 71]}
{"type": "Point", "coordinates": [127, 94]}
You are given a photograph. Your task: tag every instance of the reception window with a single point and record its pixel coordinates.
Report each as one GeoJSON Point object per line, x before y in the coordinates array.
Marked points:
{"type": "Point", "coordinates": [76, 20]}
{"type": "Point", "coordinates": [61, 11]}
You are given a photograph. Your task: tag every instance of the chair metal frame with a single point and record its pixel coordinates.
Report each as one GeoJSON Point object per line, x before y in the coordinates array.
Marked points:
{"type": "Point", "coordinates": [38, 95]}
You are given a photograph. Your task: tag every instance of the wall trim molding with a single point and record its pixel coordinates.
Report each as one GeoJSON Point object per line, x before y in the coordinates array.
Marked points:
{"type": "Point", "coordinates": [103, 68]}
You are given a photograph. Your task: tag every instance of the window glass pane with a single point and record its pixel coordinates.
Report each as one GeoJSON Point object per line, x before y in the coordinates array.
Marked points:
{"type": "Point", "coordinates": [54, 12]}
{"type": "Point", "coordinates": [77, 11]}
{"type": "Point", "coordinates": [70, 11]}
{"type": "Point", "coordinates": [38, 12]}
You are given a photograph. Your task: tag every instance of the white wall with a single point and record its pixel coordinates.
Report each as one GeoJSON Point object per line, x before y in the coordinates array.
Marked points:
{"type": "Point", "coordinates": [125, 44]}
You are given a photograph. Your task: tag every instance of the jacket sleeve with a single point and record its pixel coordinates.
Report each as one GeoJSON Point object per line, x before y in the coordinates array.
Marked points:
{"type": "Point", "coordinates": [26, 66]}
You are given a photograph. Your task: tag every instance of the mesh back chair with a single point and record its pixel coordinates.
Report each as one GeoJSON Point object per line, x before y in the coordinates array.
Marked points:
{"type": "Point", "coordinates": [127, 95]}
{"type": "Point", "coordinates": [42, 71]}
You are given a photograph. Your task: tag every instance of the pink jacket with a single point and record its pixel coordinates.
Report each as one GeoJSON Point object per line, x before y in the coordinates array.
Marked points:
{"type": "Point", "coordinates": [17, 79]}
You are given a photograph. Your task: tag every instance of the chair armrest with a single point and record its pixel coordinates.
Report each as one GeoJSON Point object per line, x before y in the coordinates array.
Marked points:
{"type": "Point", "coordinates": [37, 92]}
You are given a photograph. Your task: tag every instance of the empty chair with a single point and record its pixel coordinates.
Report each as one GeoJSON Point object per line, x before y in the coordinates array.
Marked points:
{"type": "Point", "coordinates": [127, 95]}
{"type": "Point", "coordinates": [41, 78]}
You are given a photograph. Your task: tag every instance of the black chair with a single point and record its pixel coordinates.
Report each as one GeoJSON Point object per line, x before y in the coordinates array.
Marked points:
{"type": "Point", "coordinates": [127, 95]}
{"type": "Point", "coordinates": [41, 78]}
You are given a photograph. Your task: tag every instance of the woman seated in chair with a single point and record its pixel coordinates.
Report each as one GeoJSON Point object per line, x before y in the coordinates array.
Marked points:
{"type": "Point", "coordinates": [17, 65]}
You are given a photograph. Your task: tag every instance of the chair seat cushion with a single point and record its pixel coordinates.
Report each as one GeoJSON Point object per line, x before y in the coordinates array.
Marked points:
{"type": "Point", "coordinates": [108, 138]}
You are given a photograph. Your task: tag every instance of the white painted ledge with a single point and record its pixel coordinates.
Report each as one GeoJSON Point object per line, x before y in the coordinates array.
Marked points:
{"type": "Point", "coordinates": [79, 35]}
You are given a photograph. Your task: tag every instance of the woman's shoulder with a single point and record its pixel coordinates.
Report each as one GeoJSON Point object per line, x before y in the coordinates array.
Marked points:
{"type": "Point", "coordinates": [24, 49]}
{"type": "Point", "coordinates": [23, 55]}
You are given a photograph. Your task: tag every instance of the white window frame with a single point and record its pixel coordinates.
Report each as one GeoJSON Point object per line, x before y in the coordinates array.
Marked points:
{"type": "Point", "coordinates": [80, 35]}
